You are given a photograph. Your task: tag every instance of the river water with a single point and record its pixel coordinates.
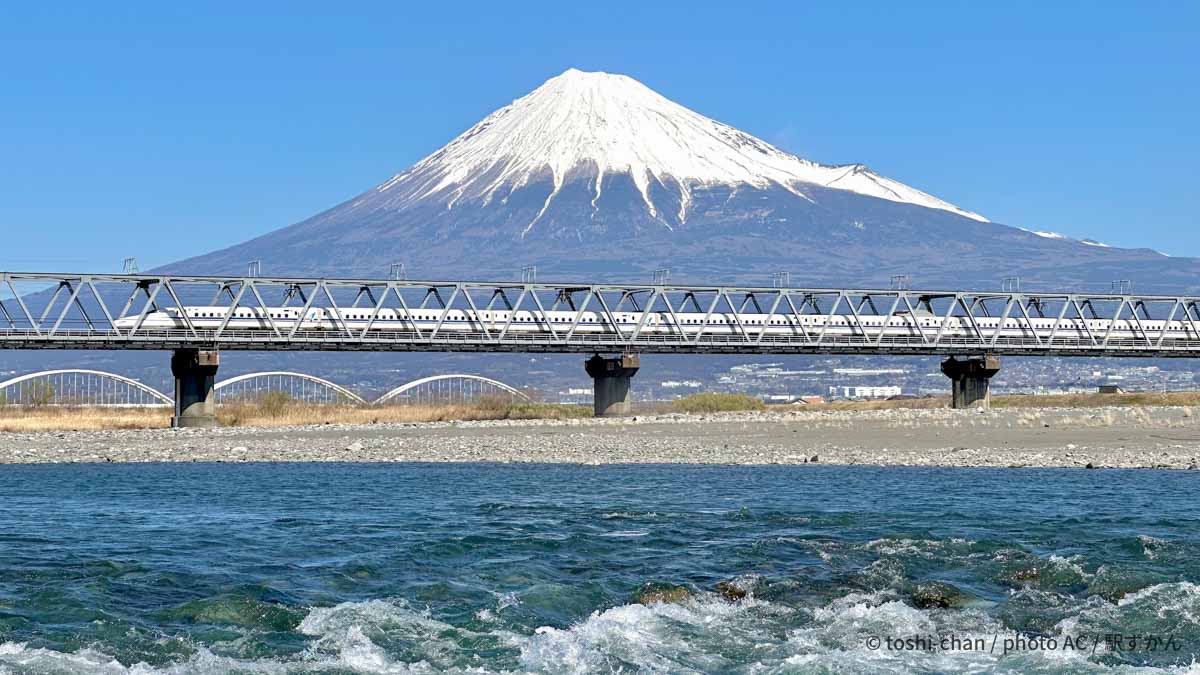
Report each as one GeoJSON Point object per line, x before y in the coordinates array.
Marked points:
{"type": "Point", "coordinates": [333, 568]}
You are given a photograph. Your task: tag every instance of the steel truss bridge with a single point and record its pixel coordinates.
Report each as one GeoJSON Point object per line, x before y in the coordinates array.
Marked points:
{"type": "Point", "coordinates": [81, 311]}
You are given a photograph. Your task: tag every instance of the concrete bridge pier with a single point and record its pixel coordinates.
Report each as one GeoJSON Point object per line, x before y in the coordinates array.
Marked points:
{"type": "Point", "coordinates": [970, 380]}
{"type": "Point", "coordinates": [611, 380]}
{"type": "Point", "coordinates": [195, 372]}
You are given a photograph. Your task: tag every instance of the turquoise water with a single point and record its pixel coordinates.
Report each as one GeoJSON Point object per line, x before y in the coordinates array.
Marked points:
{"type": "Point", "coordinates": [503, 568]}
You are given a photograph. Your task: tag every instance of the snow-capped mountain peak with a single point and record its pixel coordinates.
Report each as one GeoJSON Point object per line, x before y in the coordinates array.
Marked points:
{"type": "Point", "coordinates": [594, 125]}
{"type": "Point", "coordinates": [595, 178]}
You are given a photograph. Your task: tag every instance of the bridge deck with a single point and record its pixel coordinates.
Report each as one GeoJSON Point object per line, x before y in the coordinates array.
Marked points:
{"type": "Point", "coordinates": [405, 341]}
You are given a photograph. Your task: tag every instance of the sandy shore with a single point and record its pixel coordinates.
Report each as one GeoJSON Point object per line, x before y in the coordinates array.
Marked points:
{"type": "Point", "coordinates": [1101, 437]}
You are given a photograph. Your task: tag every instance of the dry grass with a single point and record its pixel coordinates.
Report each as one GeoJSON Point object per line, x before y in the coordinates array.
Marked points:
{"type": "Point", "coordinates": [713, 402]}
{"type": "Point", "coordinates": [274, 411]}
{"type": "Point", "coordinates": [72, 418]}
{"type": "Point", "coordinates": [258, 415]}
{"type": "Point", "coordinates": [903, 404]}
{"type": "Point", "coordinates": [1171, 399]}
{"type": "Point", "coordinates": [1023, 401]}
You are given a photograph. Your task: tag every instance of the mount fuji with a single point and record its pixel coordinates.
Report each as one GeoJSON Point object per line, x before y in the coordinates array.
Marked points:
{"type": "Point", "coordinates": [596, 177]}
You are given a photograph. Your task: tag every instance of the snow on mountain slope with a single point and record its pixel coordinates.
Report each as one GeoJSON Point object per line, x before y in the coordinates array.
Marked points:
{"type": "Point", "coordinates": [597, 124]}
{"type": "Point", "coordinates": [595, 177]}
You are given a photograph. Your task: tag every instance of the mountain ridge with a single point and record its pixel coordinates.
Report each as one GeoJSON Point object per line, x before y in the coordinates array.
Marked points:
{"type": "Point", "coordinates": [594, 176]}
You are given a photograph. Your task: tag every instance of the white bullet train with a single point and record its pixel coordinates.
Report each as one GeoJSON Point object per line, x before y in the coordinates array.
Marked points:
{"type": "Point", "coordinates": [900, 324]}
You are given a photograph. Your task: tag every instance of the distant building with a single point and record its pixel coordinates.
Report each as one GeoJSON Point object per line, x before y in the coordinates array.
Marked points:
{"type": "Point", "coordinates": [886, 391]}
{"type": "Point", "coordinates": [675, 384]}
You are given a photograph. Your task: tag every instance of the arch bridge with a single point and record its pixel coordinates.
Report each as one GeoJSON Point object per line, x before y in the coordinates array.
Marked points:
{"type": "Point", "coordinates": [453, 388]}
{"type": "Point", "coordinates": [79, 386]}
{"type": "Point", "coordinates": [300, 386]}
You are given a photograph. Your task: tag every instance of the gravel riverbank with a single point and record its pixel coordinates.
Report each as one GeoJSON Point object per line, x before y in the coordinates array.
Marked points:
{"type": "Point", "coordinates": [1100, 437]}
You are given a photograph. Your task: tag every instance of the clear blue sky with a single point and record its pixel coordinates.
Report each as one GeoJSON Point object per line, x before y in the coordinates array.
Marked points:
{"type": "Point", "coordinates": [162, 129]}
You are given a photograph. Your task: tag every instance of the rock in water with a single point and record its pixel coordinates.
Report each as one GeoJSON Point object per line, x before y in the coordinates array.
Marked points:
{"type": "Point", "coordinates": [731, 591]}
{"type": "Point", "coordinates": [653, 593]}
{"type": "Point", "coordinates": [937, 595]}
